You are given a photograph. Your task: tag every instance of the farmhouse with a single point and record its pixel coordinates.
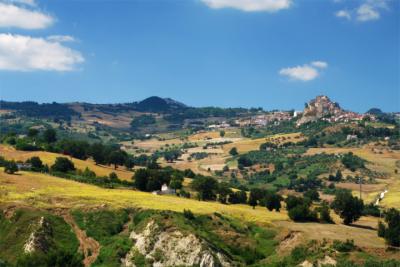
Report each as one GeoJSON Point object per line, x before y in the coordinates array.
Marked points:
{"type": "Point", "coordinates": [165, 190]}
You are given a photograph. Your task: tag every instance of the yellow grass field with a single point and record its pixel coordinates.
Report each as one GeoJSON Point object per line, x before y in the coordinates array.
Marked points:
{"type": "Point", "coordinates": [44, 191]}
{"type": "Point", "coordinates": [48, 158]}
{"type": "Point", "coordinates": [382, 161]}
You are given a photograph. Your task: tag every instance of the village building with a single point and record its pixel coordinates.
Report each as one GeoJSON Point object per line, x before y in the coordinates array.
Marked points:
{"type": "Point", "coordinates": [165, 190]}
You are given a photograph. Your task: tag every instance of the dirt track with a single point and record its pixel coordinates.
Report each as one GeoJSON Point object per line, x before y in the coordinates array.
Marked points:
{"type": "Point", "coordinates": [88, 246]}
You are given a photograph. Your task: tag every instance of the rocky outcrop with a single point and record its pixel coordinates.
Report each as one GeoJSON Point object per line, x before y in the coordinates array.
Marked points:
{"type": "Point", "coordinates": [318, 108]}
{"type": "Point", "coordinates": [172, 247]}
{"type": "Point", "coordinates": [39, 238]}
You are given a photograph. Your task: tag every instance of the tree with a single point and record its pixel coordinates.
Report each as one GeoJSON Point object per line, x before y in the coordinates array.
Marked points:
{"type": "Point", "coordinates": [238, 197]}
{"type": "Point", "coordinates": [299, 209]}
{"type": "Point", "coordinates": [324, 213]}
{"type": "Point", "coordinates": [176, 180]}
{"type": "Point", "coordinates": [10, 167]}
{"type": "Point", "coordinates": [312, 194]}
{"type": "Point", "coordinates": [50, 135]}
{"type": "Point", "coordinates": [33, 133]}
{"type": "Point", "coordinates": [206, 187]}
{"type": "Point", "coordinates": [63, 165]}
{"type": "Point", "coordinates": [140, 179]}
{"type": "Point", "coordinates": [117, 158]}
{"type": "Point", "coordinates": [222, 133]}
{"type": "Point", "coordinates": [97, 152]}
{"type": "Point", "coordinates": [253, 199]}
{"type": "Point", "coordinates": [189, 173]}
{"type": "Point", "coordinates": [113, 177]}
{"type": "Point", "coordinates": [129, 162]}
{"type": "Point", "coordinates": [233, 152]}
{"type": "Point", "coordinates": [391, 231]}
{"type": "Point", "coordinates": [348, 207]}
{"type": "Point", "coordinates": [36, 162]}
{"type": "Point", "coordinates": [302, 213]}
{"type": "Point", "coordinates": [273, 202]}
{"type": "Point", "coordinates": [223, 191]}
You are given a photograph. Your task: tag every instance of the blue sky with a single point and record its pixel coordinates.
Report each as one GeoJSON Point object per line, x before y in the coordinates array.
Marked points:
{"type": "Point", "coordinates": [249, 53]}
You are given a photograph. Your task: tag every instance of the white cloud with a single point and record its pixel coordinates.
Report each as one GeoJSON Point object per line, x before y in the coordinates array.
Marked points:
{"type": "Point", "coordinates": [367, 12]}
{"type": "Point", "coordinates": [24, 2]}
{"type": "Point", "coordinates": [250, 5]}
{"type": "Point", "coordinates": [25, 53]}
{"type": "Point", "coordinates": [61, 38]}
{"type": "Point", "coordinates": [306, 72]}
{"type": "Point", "coordinates": [319, 64]}
{"type": "Point", "coordinates": [343, 14]}
{"type": "Point", "coordinates": [20, 17]}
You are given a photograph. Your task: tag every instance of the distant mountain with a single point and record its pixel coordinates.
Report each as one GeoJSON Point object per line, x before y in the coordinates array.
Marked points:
{"type": "Point", "coordinates": [318, 108]}
{"type": "Point", "coordinates": [158, 104]}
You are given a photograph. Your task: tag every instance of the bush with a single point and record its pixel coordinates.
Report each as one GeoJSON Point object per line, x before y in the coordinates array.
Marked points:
{"type": "Point", "coordinates": [302, 213]}
{"type": "Point", "coordinates": [37, 164]}
{"type": "Point", "coordinates": [10, 167]}
{"type": "Point", "coordinates": [63, 165]}
{"type": "Point", "coordinates": [346, 246]}
{"type": "Point", "coordinates": [188, 214]}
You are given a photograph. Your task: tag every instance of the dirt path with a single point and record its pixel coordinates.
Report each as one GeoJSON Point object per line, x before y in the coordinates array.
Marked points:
{"type": "Point", "coordinates": [88, 246]}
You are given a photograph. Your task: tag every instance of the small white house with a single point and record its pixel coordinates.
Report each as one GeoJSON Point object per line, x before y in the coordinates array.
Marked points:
{"type": "Point", "coordinates": [165, 190]}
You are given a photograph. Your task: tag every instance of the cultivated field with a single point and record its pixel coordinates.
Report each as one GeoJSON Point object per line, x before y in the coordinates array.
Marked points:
{"type": "Point", "coordinates": [379, 160]}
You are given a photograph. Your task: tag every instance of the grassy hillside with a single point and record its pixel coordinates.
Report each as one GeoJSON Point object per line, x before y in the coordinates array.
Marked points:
{"type": "Point", "coordinates": [48, 158]}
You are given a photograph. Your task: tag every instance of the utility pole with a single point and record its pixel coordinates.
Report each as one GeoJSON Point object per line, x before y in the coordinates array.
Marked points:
{"type": "Point", "coordinates": [360, 182]}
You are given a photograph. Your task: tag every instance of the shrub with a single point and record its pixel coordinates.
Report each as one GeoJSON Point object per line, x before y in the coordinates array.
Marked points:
{"type": "Point", "coordinates": [63, 165]}
{"type": "Point", "coordinates": [346, 246]}
{"type": "Point", "coordinates": [36, 162]}
{"type": "Point", "coordinates": [188, 214]}
{"type": "Point", "coordinates": [10, 167]}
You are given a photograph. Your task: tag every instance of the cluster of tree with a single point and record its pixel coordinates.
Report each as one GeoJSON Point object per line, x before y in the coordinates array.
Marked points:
{"type": "Point", "coordinates": [102, 154]}
{"type": "Point", "coordinates": [151, 179]}
{"type": "Point", "coordinates": [304, 184]}
{"type": "Point", "coordinates": [352, 162]}
{"type": "Point", "coordinates": [199, 155]}
{"type": "Point", "coordinates": [142, 121]}
{"type": "Point", "coordinates": [347, 206]}
{"type": "Point", "coordinates": [45, 110]}
{"type": "Point", "coordinates": [336, 178]}
{"type": "Point", "coordinates": [170, 155]}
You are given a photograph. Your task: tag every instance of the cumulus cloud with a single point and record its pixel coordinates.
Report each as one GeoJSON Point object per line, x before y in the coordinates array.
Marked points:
{"type": "Point", "coordinates": [343, 14]}
{"type": "Point", "coordinates": [368, 10]}
{"type": "Point", "coordinates": [250, 5]}
{"type": "Point", "coordinates": [24, 2]}
{"type": "Point", "coordinates": [20, 17]}
{"type": "Point", "coordinates": [61, 38]}
{"type": "Point", "coordinates": [306, 72]}
{"type": "Point", "coordinates": [320, 64]}
{"type": "Point", "coordinates": [25, 53]}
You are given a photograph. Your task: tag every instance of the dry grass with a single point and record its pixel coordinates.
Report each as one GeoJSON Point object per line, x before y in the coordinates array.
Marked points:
{"type": "Point", "coordinates": [362, 237]}
{"type": "Point", "coordinates": [48, 158]}
{"type": "Point", "coordinates": [40, 190]}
